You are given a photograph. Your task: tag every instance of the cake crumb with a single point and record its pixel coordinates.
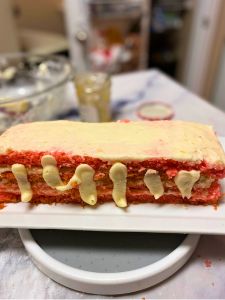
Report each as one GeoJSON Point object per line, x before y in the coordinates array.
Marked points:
{"type": "Point", "coordinates": [208, 263]}
{"type": "Point", "coordinates": [2, 205]}
{"type": "Point", "coordinates": [124, 121]}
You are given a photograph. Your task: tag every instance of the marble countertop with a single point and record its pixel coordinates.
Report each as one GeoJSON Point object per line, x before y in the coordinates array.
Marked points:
{"type": "Point", "coordinates": [204, 274]}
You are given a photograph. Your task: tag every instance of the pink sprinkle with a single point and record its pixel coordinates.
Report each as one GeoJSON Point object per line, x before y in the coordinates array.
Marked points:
{"type": "Point", "coordinates": [124, 121]}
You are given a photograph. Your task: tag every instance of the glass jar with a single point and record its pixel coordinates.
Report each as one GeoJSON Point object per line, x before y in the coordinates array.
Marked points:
{"type": "Point", "coordinates": [93, 92]}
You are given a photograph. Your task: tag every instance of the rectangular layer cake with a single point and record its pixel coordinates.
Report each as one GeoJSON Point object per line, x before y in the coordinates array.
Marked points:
{"type": "Point", "coordinates": [124, 162]}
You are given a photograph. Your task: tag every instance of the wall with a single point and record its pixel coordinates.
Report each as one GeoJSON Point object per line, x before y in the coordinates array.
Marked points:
{"type": "Point", "coordinates": [201, 49]}
{"type": "Point", "coordinates": [8, 34]}
{"type": "Point", "coordinates": [40, 14]}
{"type": "Point", "coordinates": [218, 97]}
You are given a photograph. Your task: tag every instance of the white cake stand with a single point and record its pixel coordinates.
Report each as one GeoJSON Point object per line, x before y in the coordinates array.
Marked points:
{"type": "Point", "coordinates": [107, 263]}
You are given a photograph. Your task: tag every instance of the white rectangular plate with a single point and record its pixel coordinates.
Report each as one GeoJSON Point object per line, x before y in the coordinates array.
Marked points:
{"type": "Point", "coordinates": [108, 217]}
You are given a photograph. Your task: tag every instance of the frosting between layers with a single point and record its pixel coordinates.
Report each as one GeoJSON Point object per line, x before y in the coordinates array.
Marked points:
{"type": "Point", "coordinates": [176, 140]}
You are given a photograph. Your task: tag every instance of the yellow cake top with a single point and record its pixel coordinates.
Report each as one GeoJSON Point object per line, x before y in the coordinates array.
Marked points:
{"type": "Point", "coordinates": [117, 141]}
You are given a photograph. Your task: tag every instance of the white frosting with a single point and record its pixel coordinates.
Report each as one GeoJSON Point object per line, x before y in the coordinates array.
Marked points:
{"type": "Point", "coordinates": [177, 140]}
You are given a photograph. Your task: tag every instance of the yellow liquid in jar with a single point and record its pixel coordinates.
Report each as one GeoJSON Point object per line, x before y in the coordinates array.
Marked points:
{"type": "Point", "coordinates": [93, 91]}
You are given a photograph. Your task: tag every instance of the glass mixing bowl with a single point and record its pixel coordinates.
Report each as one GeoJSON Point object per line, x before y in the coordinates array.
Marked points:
{"type": "Point", "coordinates": [32, 88]}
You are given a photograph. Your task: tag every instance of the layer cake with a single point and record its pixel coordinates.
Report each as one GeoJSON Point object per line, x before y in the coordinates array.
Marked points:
{"type": "Point", "coordinates": [124, 162]}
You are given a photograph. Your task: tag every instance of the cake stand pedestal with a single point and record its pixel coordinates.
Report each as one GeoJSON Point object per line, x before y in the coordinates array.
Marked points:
{"type": "Point", "coordinates": [107, 263]}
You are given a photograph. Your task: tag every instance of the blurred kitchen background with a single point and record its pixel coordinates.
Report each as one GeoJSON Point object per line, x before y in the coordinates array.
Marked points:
{"type": "Point", "coordinates": [183, 38]}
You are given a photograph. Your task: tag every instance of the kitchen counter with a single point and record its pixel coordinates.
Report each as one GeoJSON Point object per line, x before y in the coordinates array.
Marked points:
{"type": "Point", "coordinates": [203, 276]}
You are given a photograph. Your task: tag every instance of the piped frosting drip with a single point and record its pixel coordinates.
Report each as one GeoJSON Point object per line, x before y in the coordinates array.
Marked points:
{"type": "Point", "coordinates": [185, 181]}
{"type": "Point", "coordinates": [83, 176]}
{"type": "Point", "coordinates": [118, 175]}
{"type": "Point", "coordinates": [87, 186]}
{"type": "Point", "coordinates": [50, 171]}
{"type": "Point", "coordinates": [20, 173]}
{"type": "Point", "coordinates": [153, 182]}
